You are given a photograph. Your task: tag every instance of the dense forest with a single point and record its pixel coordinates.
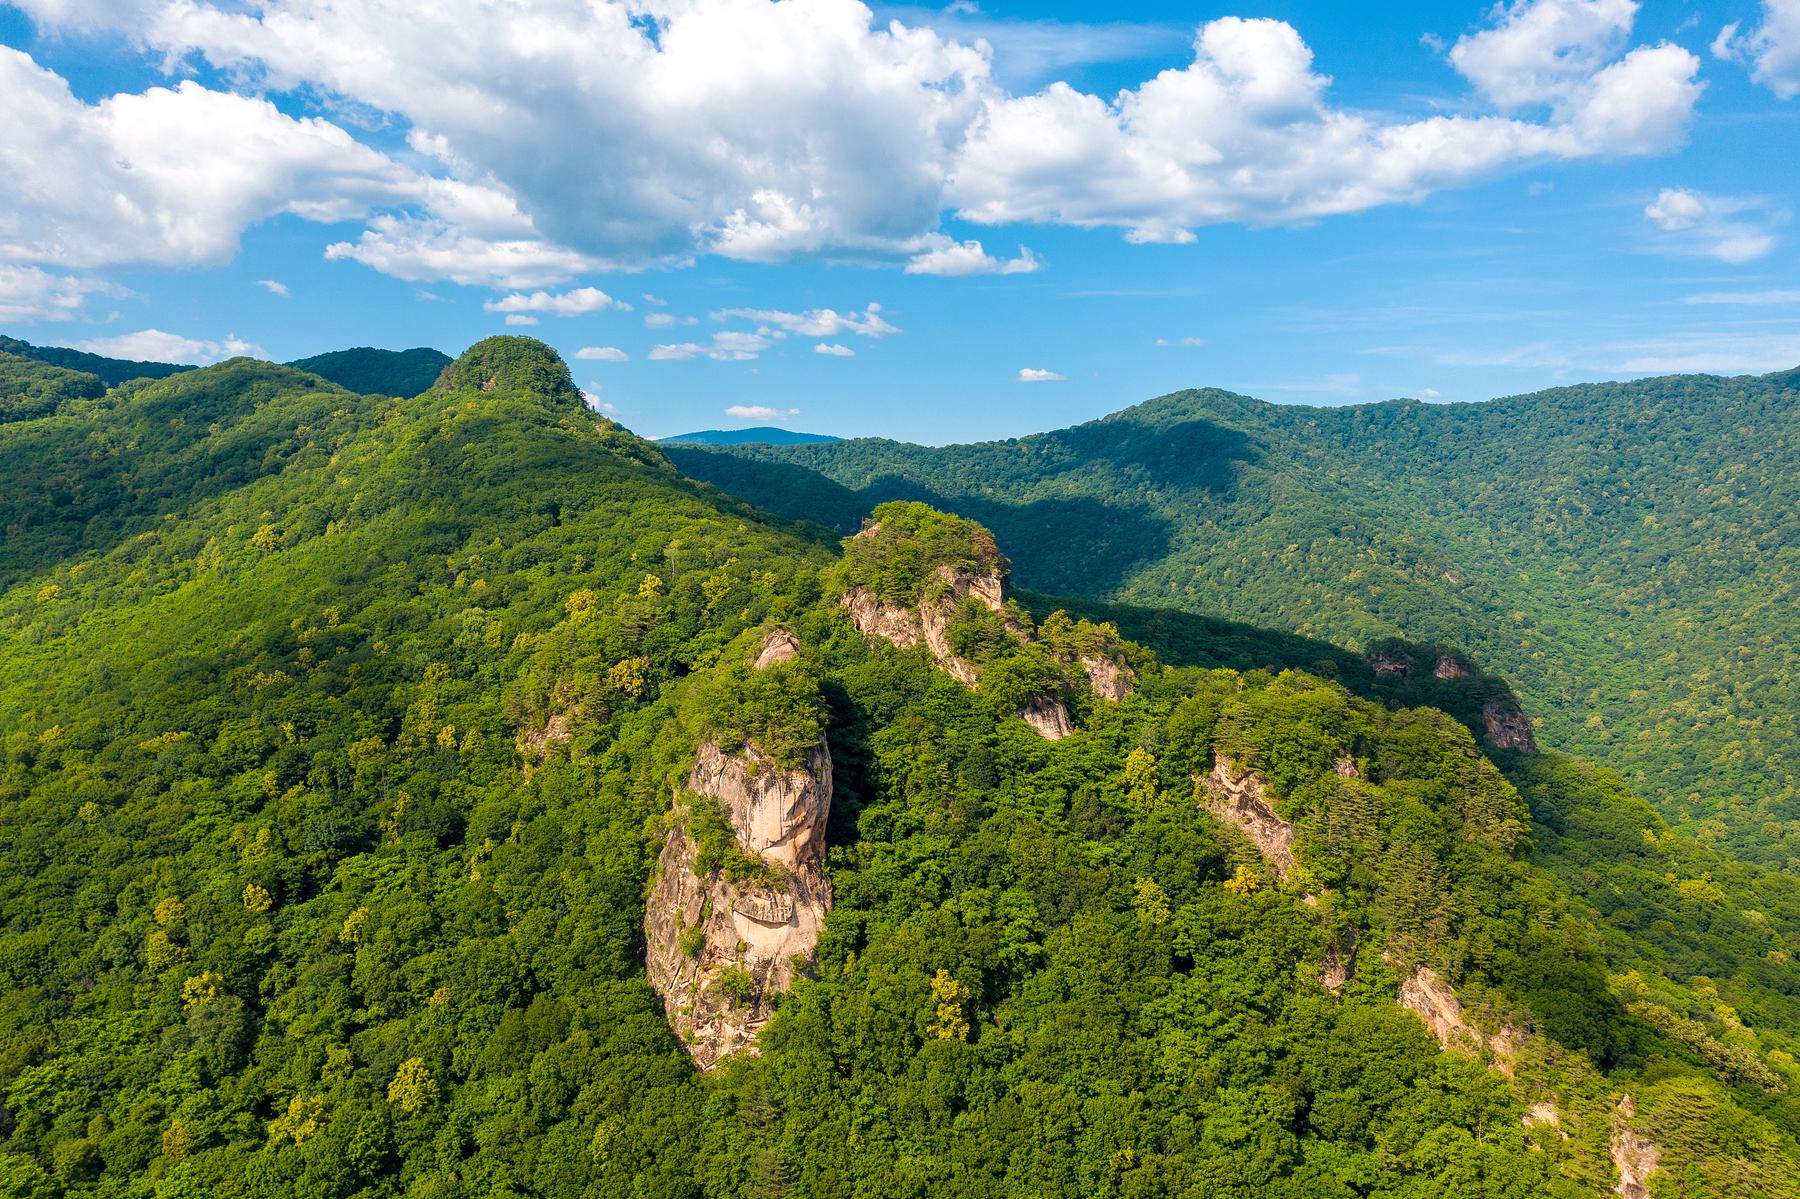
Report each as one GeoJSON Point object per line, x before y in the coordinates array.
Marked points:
{"type": "Point", "coordinates": [341, 732]}
{"type": "Point", "coordinates": [1626, 554]}
{"type": "Point", "coordinates": [377, 372]}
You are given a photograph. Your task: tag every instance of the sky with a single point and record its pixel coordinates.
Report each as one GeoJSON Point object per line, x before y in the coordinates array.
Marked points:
{"type": "Point", "coordinates": [929, 223]}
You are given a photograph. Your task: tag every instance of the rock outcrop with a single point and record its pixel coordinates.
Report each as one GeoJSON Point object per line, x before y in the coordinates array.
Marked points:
{"type": "Point", "coordinates": [723, 943]}
{"type": "Point", "coordinates": [1506, 726]}
{"type": "Point", "coordinates": [1237, 799]}
{"type": "Point", "coordinates": [928, 624]}
{"type": "Point", "coordinates": [778, 646]}
{"type": "Point", "coordinates": [1431, 999]}
{"type": "Point", "coordinates": [1634, 1155]}
{"type": "Point", "coordinates": [1110, 680]}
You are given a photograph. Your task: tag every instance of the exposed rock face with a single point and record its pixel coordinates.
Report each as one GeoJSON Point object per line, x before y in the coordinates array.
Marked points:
{"type": "Point", "coordinates": [1634, 1155]}
{"type": "Point", "coordinates": [1506, 726]}
{"type": "Point", "coordinates": [1384, 663]}
{"type": "Point", "coordinates": [1447, 667]}
{"type": "Point", "coordinates": [1430, 998]}
{"type": "Point", "coordinates": [779, 646]}
{"type": "Point", "coordinates": [1345, 767]}
{"type": "Point", "coordinates": [719, 951]}
{"type": "Point", "coordinates": [1110, 681]}
{"type": "Point", "coordinates": [1048, 717]}
{"type": "Point", "coordinates": [554, 733]}
{"type": "Point", "coordinates": [929, 622]}
{"type": "Point", "coordinates": [1238, 799]}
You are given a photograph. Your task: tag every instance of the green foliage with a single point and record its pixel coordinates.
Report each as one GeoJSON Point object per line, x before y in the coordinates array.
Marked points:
{"type": "Point", "coordinates": [370, 371]}
{"type": "Point", "coordinates": [30, 389]}
{"type": "Point", "coordinates": [323, 856]}
{"type": "Point", "coordinates": [110, 371]}
{"type": "Point", "coordinates": [1626, 554]}
{"type": "Point", "coordinates": [902, 547]}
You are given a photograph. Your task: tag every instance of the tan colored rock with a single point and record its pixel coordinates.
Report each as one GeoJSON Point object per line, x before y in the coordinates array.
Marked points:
{"type": "Point", "coordinates": [778, 815]}
{"type": "Point", "coordinates": [1506, 726]}
{"type": "Point", "coordinates": [707, 934]}
{"type": "Point", "coordinates": [536, 744]}
{"type": "Point", "coordinates": [929, 623]}
{"type": "Point", "coordinates": [1048, 717]}
{"type": "Point", "coordinates": [1635, 1156]}
{"type": "Point", "coordinates": [1431, 999]}
{"type": "Point", "coordinates": [1345, 767]}
{"type": "Point", "coordinates": [1447, 667]}
{"type": "Point", "coordinates": [1383, 663]}
{"type": "Point", "coordinates": [1238, 799]}
{"type": "Point", "coordinates": [1110, 680]}
{"type": "Point", "coordinates": [778, 646]}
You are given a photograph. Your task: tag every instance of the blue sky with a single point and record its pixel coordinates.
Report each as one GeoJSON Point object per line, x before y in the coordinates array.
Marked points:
{"type": "Point", "coordinates": [769, 209]}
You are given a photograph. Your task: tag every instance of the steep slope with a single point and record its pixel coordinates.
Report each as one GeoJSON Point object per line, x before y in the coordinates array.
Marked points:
{"type": "Point", "coordinates": [408, 818]}
{"type": "Point", "coordinates": [369, 371]}
{"type": "Point", "coordinates": [1626, 554]}
{"type": "Point", "coordinates": [111, 371]}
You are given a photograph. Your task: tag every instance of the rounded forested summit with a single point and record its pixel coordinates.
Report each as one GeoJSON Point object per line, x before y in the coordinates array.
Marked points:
{"type": "Point", "coordinates": [511, 364]}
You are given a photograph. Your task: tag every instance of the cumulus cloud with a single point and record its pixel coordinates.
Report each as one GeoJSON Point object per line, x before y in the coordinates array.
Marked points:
{"type": "Point", "coordinates": [30, 294]}
{"type": "Point", "coordinates": [274, 287]}
{"type": "Point", "coordinates": [1728, 228]}
{"type": "Point", "coordinates": [552, 140]}
{"type": "Point", "coordinates": [1032, 374]}
{"type": "Point", "coordinates": [1772, 49]}
{"type": "Point", "coordinates": [1191, 343]}
{"type": "Point", "coordinates": [953, 259]}
{"type": "Point", "coordinates": [816, 322]}
{"type": "Point", "coordinates": [726, 346]}
{"type": "Point", "coordinates": [570, 303]}
{"type": "Point", "coordinates": [759, 412]}
{"type": "Point", "coordinates": [1244, 134]}
{"type": "Point", "coordinates": [601, 354]}
{"type": "Point", "coordinates": [154, 345]}
{"type": "Point", "coordinates": [169, 177]}
{"type": "Point", "coordinates": [519, 318]}
{"type": "Point", "coordinates": [832, 350]}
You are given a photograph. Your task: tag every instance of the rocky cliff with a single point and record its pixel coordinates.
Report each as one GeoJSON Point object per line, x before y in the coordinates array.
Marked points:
{"type": "Point", "coordinates": [729, 927]}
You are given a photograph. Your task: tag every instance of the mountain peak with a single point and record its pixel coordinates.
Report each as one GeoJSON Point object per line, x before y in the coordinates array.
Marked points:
{"type": "Point", "coordinates": [514, 364]}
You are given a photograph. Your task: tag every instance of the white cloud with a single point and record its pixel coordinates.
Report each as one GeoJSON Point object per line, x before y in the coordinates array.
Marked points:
{"type": "Point", "coordinates": [759, 412]}
{"type": "Point", "coordinates": [1244, 135]}
{"type": "Point", "coordinates": [590, 395]}
{"type": "Point", "coordinates": [1428, 393]}
{"type": "Point", "coordinates": [169, 177]}
{"type": "Point", "coordinates": [1728, 228]}
{"type": "Point", "coordinates": [273, 286]}
{"type": "Point", "coordinates": [1744, 297]}
{"type": "Point", "coordinates": [959, 258]}
{"type": "Point", "coordinates": [570, 303]}
{"type": "Point", "coordinates": [552, 140]}
{"type": "Point", "coordinates": [1772, 49]}
{"type": "Point", "coordinates": [601, 354]}
{"type": "Point", "coordinates": [519, 318]}
{"type": "Point", "coordinates": [658, 320]}
{"type": "Point", "coordinates": [1032, 374]}
{"type": "Point", "coordinates": [29, 294]}
{"type": "Point", "coordinates": [726, 346]}
{"type": "Point", "coordinates": [833, 350]}
{"type": "Point", "coordinates": [657, 301]}
{"type": "Point", "coordinates": [153, 345]}
{"type": "Point", "coordinates": [816, 322]}
{"type": "Point", "coordinates": [1544, 51]}
{"type": "Point", "coordinates": [1721, 353]}
{"type": "Point", "coordinates": [1192, 343]}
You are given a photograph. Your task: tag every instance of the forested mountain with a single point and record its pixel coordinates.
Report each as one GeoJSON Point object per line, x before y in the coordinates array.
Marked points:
{"type": "Point", "coordinates": [111, 371]}
{"type": "Point", "coordinates": [378, 372]}
{"type": "Point", "coordinates": [767, 434]}
{"type": "Point", "coordinates": [371, 767]}
{"type": "Point", "coordinates": [1628, 554]}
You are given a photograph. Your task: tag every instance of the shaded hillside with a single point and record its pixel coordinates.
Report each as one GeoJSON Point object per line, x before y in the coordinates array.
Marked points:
{"type": "Point", "coordinates": [332, 793]}
{"type": "Point", "coordinates": [377, 372]}
{"type": "Point", "coordinates": [1627, 554]}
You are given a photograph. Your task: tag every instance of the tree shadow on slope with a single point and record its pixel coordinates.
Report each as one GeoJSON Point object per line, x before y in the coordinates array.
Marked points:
{"type": "Point", "coordinates": [1062, 542]}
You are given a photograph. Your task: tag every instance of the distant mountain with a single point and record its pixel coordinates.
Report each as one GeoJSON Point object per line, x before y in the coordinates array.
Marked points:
{"type": "Point", "coordinates": [30, 388]}
{"type": "Point", "coordinates": [761, 435]}
{"type": "Point", "coordinates": [1627, 554]}
{"type": "Point", "coordinates": [378, 372]}
{"type": "Point", "coordinates": [111, 371]}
